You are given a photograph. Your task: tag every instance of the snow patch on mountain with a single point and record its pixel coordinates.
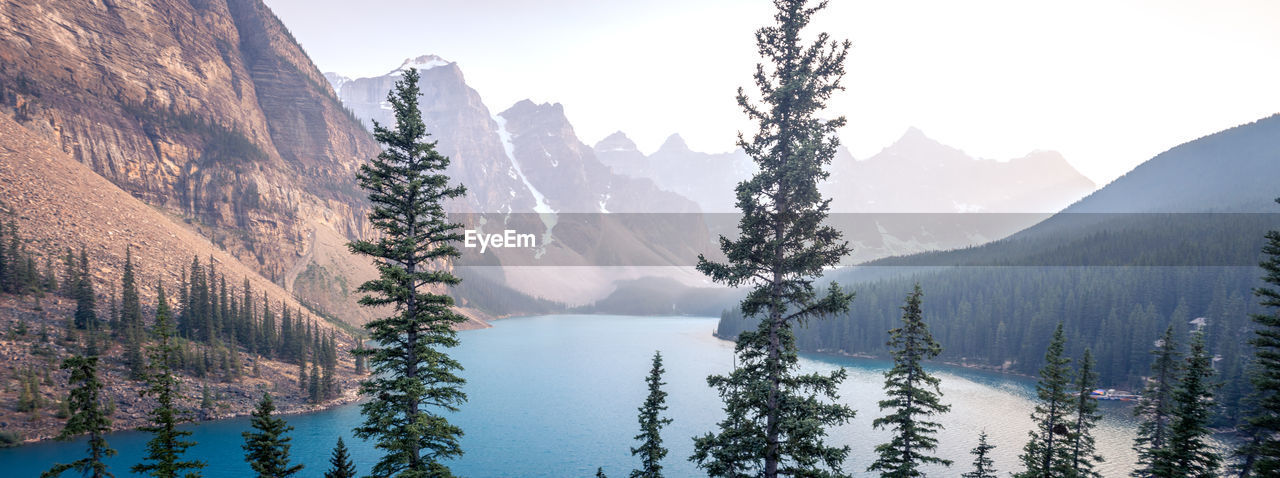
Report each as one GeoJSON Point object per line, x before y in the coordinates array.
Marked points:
{"type": "Point", "coordinates": [540, 202]}
{"type": "Point", "coordinates": [422, 63]}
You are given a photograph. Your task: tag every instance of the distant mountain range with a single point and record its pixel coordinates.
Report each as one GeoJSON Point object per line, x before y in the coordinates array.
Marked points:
{"type": "Point", "coordinates": [1175, 242]}
{"type": "Point", "coordinates": [915, 174]}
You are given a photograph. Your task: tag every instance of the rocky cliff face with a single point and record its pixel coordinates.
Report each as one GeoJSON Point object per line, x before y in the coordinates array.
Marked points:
{"type": "Point", "coordinates": [208, 110]}
{"type": "Point", "coordinates": [526, 160]}
{"type": "Point", "coordinates": [568, 172]}
{"type": "Point", "coordinates": [59, 203]}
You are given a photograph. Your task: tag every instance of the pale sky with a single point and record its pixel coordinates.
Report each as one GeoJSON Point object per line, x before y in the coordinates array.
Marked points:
{"type": "Point", "coordinates": [1107, 83]}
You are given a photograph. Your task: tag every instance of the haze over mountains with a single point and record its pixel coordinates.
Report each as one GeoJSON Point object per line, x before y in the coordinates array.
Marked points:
{"type": "Point", "coordinates": [528, 159]}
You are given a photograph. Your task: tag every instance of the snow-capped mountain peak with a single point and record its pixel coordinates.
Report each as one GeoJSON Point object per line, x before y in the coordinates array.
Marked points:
{"type": "Point", "coordinates": [421, 63]}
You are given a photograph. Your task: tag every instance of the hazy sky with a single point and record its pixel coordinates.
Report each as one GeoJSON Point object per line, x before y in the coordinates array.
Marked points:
{"type": "Point", "coordinates": [1107, 83]}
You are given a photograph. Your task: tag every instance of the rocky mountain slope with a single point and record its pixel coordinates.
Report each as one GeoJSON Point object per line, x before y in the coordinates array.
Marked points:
{"type": "Point", "coordinates": [57, 203]}
{"type": "Point", "coordinates": [206, 110]}
{"type": "Point", "coordinates": [525, 169]}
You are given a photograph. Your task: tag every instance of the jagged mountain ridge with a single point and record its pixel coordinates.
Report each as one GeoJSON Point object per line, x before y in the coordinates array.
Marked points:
{"type": "Point", "coordinates": [524, 160]}
{"type": "Point", "coordinates": [915, 174]}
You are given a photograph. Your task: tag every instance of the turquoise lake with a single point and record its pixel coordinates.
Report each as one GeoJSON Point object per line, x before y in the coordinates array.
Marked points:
{"type": "Point", "coordinates": [556, 396]}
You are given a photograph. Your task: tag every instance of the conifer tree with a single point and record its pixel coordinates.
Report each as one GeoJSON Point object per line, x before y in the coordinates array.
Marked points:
{"type": "Point", "coordinates": [1048, 454]}
{"type": "Point", "coordinates": [86, 316]}
{"type": "Point", "coordinates": [1261, 457]}
{"type": "Point", "coordinates": [359, 353]}
{"type": "Point", "coordinates": [5, 270]}
{"type": "Point", "coordinates": [266, 448]}
{"type": "Point", "coordinates": [983, 465]}
{"type": "Point", "coordinates": [1192, 454]}
{"type": "Point", "coordinates": [1083, 451]}
{"type": "Point", "coordinates": [315, 392]}
{"type": "Point", "coordinates": [1155, 408]}
{"type": "Point", "coordinates": [914, 397]}
{"type": "Point", "coordinates": [340, 465]}
{"type": "Point", "coordinates": [303, 388]}
{"type": "Point", "coordinates": [113, 314]}
{"type": "Point", "coordinates": [130, 304]}
{"type": "Point", "coordinates": [88, 416]}
{"type": "Point", "coordinates": [413, 374]}
{"type": "Point", "coordinates": [70, 275]}
{"type": "Point", "coordinates": [167, 444]}
{"type": "Point", "coordinates": [50, 276]}
{"type": "Point", "coordinates": [600, 472]}
{"type": "Point", "coordinates": [651, 451]}
{"type": "Point", "coordinates": [30, 399]}
{"type": "Point", "coordinates": [777, 417]}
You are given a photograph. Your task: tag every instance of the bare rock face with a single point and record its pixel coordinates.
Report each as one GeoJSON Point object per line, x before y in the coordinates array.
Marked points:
{"type": "Point", "coordinates": [457, 118]}
{"type": "Point", "coordinates": [208, 110]}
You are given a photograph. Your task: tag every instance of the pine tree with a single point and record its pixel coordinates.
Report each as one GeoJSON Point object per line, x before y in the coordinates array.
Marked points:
{"type": "Point", "coordinates": [651, 451]}
{"type": "Point", "coordinates": [1261, 456]}
{"type": "Point", "coordinates": [5, 271]}
{"type": "Point", "coordinates": [413, 374]}
{"type": "Point", "coordinates": [315, 393]}
{"type": "Point", "coordinates": [70, 275]}
{"type": "Point", "coordinates": [89, 416]}
{"type": "Point", "coordinates": [30, 399]}
{"type": "Point", "coordinates": [50, 276]}
{"type": "Point", "coordinates": [1048, 453]}
{"type": "Point", "coordinates": [983, 466]}
{"type": "Point", "coordinates": [130, 304]}
{"type": "Point", "coordinates": [266, 448]}
{"type": "Point", "coordinates": [302, 378]}
{"type": "Point", "coordinates": [1193, 456]}
{"type": "Point", "coordinates": [1155, 408]}
{"type": "Point", "coordinates": [340, 465]}
{"type": "Point", "coordinates": [1083, 452]}
{"type": "Point", "coordinates": [86, 316]}
{"type": "Point", "coordinates": [359, 353]}
{"type": "Point", "coordinates": [776, 417]}
{"type": "Point", "coordinates": [600, 472]}
{"type": "Point", "coordinates": [165, 449]}
{"type": "Point", "coordinates": [914, 397]}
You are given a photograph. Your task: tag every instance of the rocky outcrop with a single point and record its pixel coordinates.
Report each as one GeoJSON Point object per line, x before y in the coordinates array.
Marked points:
{"type": "Point", "coordinates": [59, 203]}
{"type": "Point", "coordinates": [208, 110]}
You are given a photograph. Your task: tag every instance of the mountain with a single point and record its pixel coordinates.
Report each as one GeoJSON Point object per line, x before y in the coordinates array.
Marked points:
{"type": "Point", "coordinates": [1174, 243]}
{"type": "Point", "coordinates": [915, 174]}
{"type": "Point", "coordinates": [520, 166]}
{"type": "Point", "coordinates": [707, 179]}
{"type": "Point", "coordinates": [208, 110]}
{"type": "Point", "coordinates": [60, 203]}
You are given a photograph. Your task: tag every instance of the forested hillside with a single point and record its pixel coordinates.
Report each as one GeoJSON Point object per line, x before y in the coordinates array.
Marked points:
{"type": "Point", "coordinates": [1116, 280]}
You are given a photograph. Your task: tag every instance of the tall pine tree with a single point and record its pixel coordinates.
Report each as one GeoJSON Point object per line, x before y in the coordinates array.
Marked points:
{"type": "Point", "coordinates": [167, 444]}
{"type": "Point", "coordinates": [1048, 452]}
{"type": "Point", "coordinates": [266, 448]}
{"type": "Point", "coordinates": [88, 416]}
{"type": "Point", "coordinates": [1189, 448]}
{"type": "Point", "coordinates": [1083, 451]}
{"type": "Point", "coordinates": [340, 465]}
{"type": "Point", "coordinates": [777, 417]}
{"type": "Point", "coordinates": [86, 316]}
{"type": "Point", "coordinates": [1155, 409]}
{"type": "Point", "coordinates": [914, 397]}
{"type": "Point", "coordinates": [983, 465]}
{"type": "Point", "coordinates": [651, 451]}
{"type": "Point", "coordinates": [413, 376]}
{"type": "Point", "coordinates": [1261, 457]}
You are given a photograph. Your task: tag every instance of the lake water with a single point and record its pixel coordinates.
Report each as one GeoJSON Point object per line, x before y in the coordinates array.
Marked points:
{"type": "Point", "coordinates": [557, 396]}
